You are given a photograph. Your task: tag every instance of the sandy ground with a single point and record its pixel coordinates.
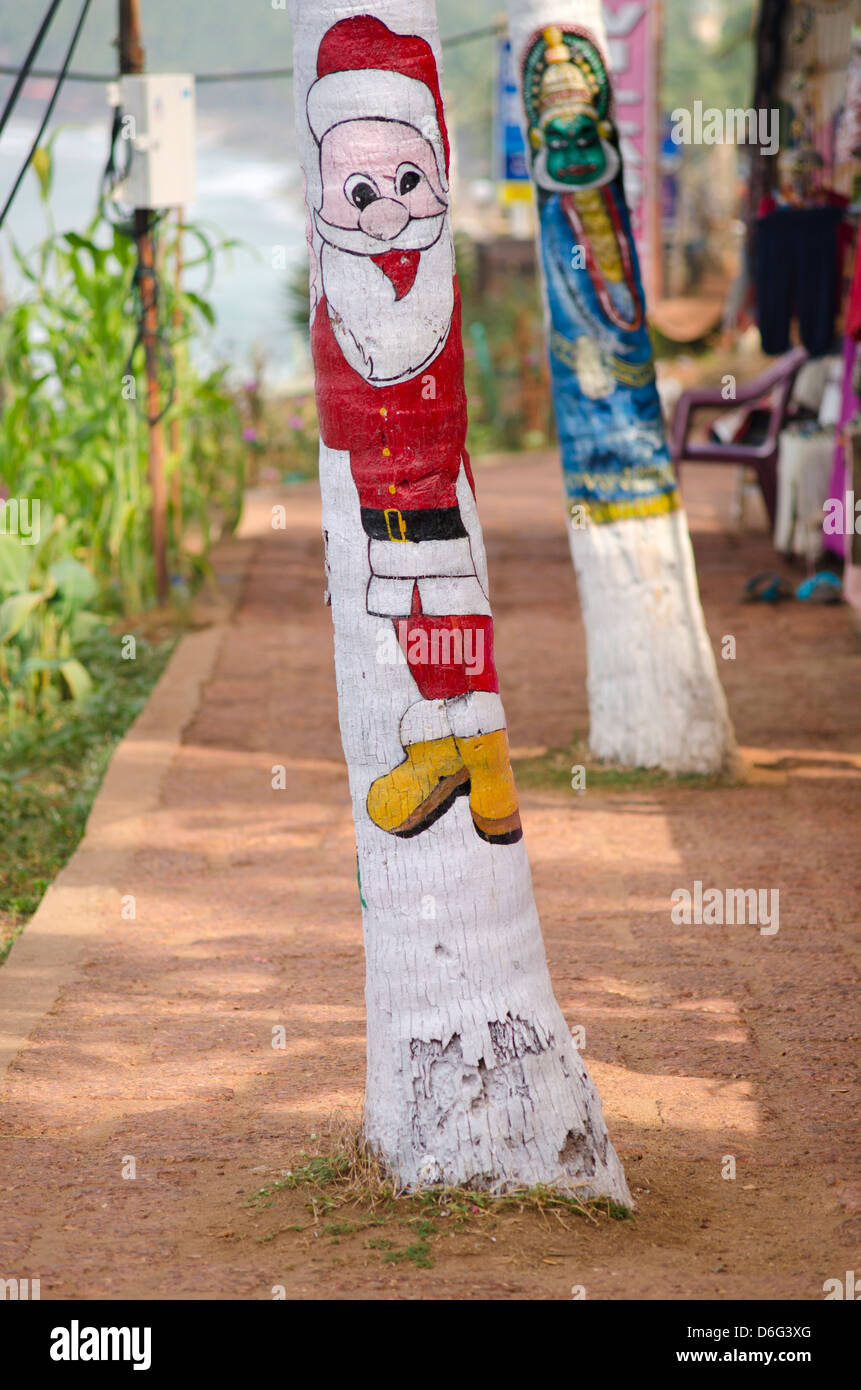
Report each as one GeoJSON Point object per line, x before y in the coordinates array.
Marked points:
{"type": "Point", "coordinates": [704, 1041]}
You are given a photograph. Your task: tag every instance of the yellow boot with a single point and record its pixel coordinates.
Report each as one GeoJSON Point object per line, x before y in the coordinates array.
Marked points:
{"type": "Point", "coordinates": [493, 795]}
{"type": "Point", "coordinates": [419, 790]}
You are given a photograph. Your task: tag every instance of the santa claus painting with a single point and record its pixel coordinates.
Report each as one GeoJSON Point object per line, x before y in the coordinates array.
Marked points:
{"type": "Point", "coordinates": [387, 350]}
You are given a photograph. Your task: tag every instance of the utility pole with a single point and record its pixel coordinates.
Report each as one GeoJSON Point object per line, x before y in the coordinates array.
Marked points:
{"type": "Point", "coordinates": [175, 436]}
{"type": "Point", "coordinates": [132, 59]}
{"type": "Point", "coordinates": [655, 289]}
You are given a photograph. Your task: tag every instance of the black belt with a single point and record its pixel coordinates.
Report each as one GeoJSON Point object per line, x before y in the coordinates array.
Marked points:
{"type": "Point", "coordinates": [433, 524]}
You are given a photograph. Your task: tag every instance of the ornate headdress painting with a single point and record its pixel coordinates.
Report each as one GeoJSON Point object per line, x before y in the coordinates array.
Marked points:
{"type": "Point", "coordinates": [567, 99]}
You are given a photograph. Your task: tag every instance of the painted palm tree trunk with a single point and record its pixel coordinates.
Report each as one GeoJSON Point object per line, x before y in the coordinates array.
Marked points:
{"type": "Point", "coordinates": [654, 695]}
{"type": "Point", "coordinates": [472, 1073]}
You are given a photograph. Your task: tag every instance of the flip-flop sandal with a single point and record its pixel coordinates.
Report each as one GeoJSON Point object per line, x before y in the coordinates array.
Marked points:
{"type": "Point", "coordinates": [767, 588]}
{"type": "Point", "coordinates": [824, 587]}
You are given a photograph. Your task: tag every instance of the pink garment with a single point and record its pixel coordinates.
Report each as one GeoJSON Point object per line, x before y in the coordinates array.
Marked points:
{"type": "Point", "coordinates": [849, 407]}
{"type": "Point", "coordinates": [853, 310]}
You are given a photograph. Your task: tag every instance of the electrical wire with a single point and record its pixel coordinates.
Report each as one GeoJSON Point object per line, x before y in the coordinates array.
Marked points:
{"type": "Point", "coordinates": [160, 339]}
{"type": "Point", "coordinates": [123, 219]}
{"type": "Point", "coordinates": [28, 63]}
{"type": "Point", "coordinates": [253, 74]}
{"type": "Point", "coordinates": [113, 175]}
{"type": "Point", "coordinates": [51, 104]}
{"type": "Point", "coordinates": [102, 77]}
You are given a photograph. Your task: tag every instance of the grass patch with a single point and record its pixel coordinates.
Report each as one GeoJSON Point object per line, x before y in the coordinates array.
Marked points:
{"type": "Point", "coordinates": [51, 769]}
{"type": "Point", "coordinates": [552, 771]}
{"type": "Point", "coordinates": [348, 1181]}
{"type": "Point", "coordinates": [419, 1254]}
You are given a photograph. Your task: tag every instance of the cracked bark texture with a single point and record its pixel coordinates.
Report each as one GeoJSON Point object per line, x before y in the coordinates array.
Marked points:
{"type": "Point", "coordinates": [655, 699]}
{"type": "Point", "coordinates": [472, 1076]}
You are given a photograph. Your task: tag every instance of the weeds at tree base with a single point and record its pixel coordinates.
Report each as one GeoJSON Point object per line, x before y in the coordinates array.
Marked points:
{"type": "Point", "coordinates": [350, 1176]}
{"type": "Point", "coordinates": [552, 771]}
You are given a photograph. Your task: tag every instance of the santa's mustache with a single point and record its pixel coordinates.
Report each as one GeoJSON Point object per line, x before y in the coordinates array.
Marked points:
{"type": "Point", "coordinates": [419, 234]}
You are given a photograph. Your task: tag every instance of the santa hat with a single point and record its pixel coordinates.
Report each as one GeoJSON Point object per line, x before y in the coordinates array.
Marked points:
{"type": "Point", "coordinates": [366, 70]}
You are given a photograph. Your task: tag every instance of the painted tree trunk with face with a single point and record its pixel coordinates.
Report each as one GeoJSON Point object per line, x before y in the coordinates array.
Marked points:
{"type": "Point", "coordinates": [654, 695]}
{"type": "Point", "coordinates": [472, 1072]}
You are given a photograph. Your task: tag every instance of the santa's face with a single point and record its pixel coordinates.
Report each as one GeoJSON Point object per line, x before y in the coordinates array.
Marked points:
{"type": "Point", "coordinates": [381, 188]}
{"type": "Point", "coordinates": [387, 261]}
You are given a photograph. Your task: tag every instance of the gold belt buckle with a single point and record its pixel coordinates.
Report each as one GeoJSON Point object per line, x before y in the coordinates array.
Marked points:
{"type": "Point", "coordinates": [402, 526]}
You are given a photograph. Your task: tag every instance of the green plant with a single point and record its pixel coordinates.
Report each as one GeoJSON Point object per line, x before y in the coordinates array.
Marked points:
{"type": "Point", "coordinates": [419, 1253]}
{"type": "Point", "coordinates": [45, 614]}
{"type": "Point", "coordinates": [73, 431]}
{"type": "Point", "coordinates": [74, 445]}
{"type": "Point", "coordinates": [51, 767]}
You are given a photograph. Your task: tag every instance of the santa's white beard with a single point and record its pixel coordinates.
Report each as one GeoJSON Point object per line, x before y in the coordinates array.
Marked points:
{"type": "Point", "coordinates": [388, 340]}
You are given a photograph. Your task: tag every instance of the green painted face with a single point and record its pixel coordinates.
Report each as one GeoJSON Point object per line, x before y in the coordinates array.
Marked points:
{"type": "Point", "coordinates": [575, 154]}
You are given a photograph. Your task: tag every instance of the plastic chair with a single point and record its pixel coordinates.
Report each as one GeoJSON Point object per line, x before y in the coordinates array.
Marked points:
{"type": "Point", "coordinates": [776, 384]}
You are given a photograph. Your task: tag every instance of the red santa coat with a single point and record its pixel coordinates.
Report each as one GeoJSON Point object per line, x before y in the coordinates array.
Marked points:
{"type": "Point", "coordinates": [406, 445]}
{"type": "Point", "coordinates": [405, 448]}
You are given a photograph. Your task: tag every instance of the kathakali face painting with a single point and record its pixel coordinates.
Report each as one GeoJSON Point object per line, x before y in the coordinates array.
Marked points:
{"type": "Point", "coordinates": [567, 98]}
{"type": "Point", "coordinates": [608, 414]}
{"type": "Point", "coordinates": [575, 152]}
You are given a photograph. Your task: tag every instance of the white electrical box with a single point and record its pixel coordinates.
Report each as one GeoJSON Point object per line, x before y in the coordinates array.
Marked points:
{"type": "Point", "coordinates": [158, 120]}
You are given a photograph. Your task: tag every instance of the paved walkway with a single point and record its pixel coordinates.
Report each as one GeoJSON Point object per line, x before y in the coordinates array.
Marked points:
{"type": "Point", "coordinates": [149, 1037]}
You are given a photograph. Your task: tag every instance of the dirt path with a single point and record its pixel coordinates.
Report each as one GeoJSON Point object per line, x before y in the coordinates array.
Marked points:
{"type": "Point", "coordinates": [704, 1041]}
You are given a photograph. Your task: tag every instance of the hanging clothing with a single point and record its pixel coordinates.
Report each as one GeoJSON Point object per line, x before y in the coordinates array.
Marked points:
{"type": "Point", "coordinates": [847, 140]}
{"type": "Point", "coordinates": [853, 308]}
{"type": "Point", "coordinates": [797, 272]}
{"type": "Point", "coordinates": [840, 481]}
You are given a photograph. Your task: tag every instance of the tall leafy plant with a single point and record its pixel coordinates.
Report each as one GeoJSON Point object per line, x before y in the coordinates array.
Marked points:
{"type": "Point", "coordinates": [45, 615]}
{"type": "Point", "coordinates": [73, 429]}
{"type": "Point", "coordinates": [73, 439]}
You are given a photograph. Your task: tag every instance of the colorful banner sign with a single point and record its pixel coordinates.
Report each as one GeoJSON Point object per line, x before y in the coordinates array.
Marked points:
{"type": "Point", "coordinates": [512, 169]}
{"type": "Point", "coordinates": [633, 39]}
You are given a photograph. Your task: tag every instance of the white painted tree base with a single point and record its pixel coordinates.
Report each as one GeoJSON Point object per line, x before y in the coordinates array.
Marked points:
{"type": "Point", "coordinates": [473, 1076]}
{"type": "Point", "coordinates": [655, 699]}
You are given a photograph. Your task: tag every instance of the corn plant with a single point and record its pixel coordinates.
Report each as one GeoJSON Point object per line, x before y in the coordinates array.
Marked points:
{"type": "Point", "coordinates": [73, 437]}
{"type": "Point", "coordinates": [45, 615]}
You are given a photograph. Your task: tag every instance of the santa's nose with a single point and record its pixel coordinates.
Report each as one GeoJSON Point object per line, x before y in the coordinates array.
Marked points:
{"type": "Point", "coordinates": [383, 218]}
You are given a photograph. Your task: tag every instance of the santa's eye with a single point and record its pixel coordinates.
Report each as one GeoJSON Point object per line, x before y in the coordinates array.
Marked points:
{"type": "Point", "coordinates": [408, 180]}
{"type": "Point", "coordinates": [361, 190]}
